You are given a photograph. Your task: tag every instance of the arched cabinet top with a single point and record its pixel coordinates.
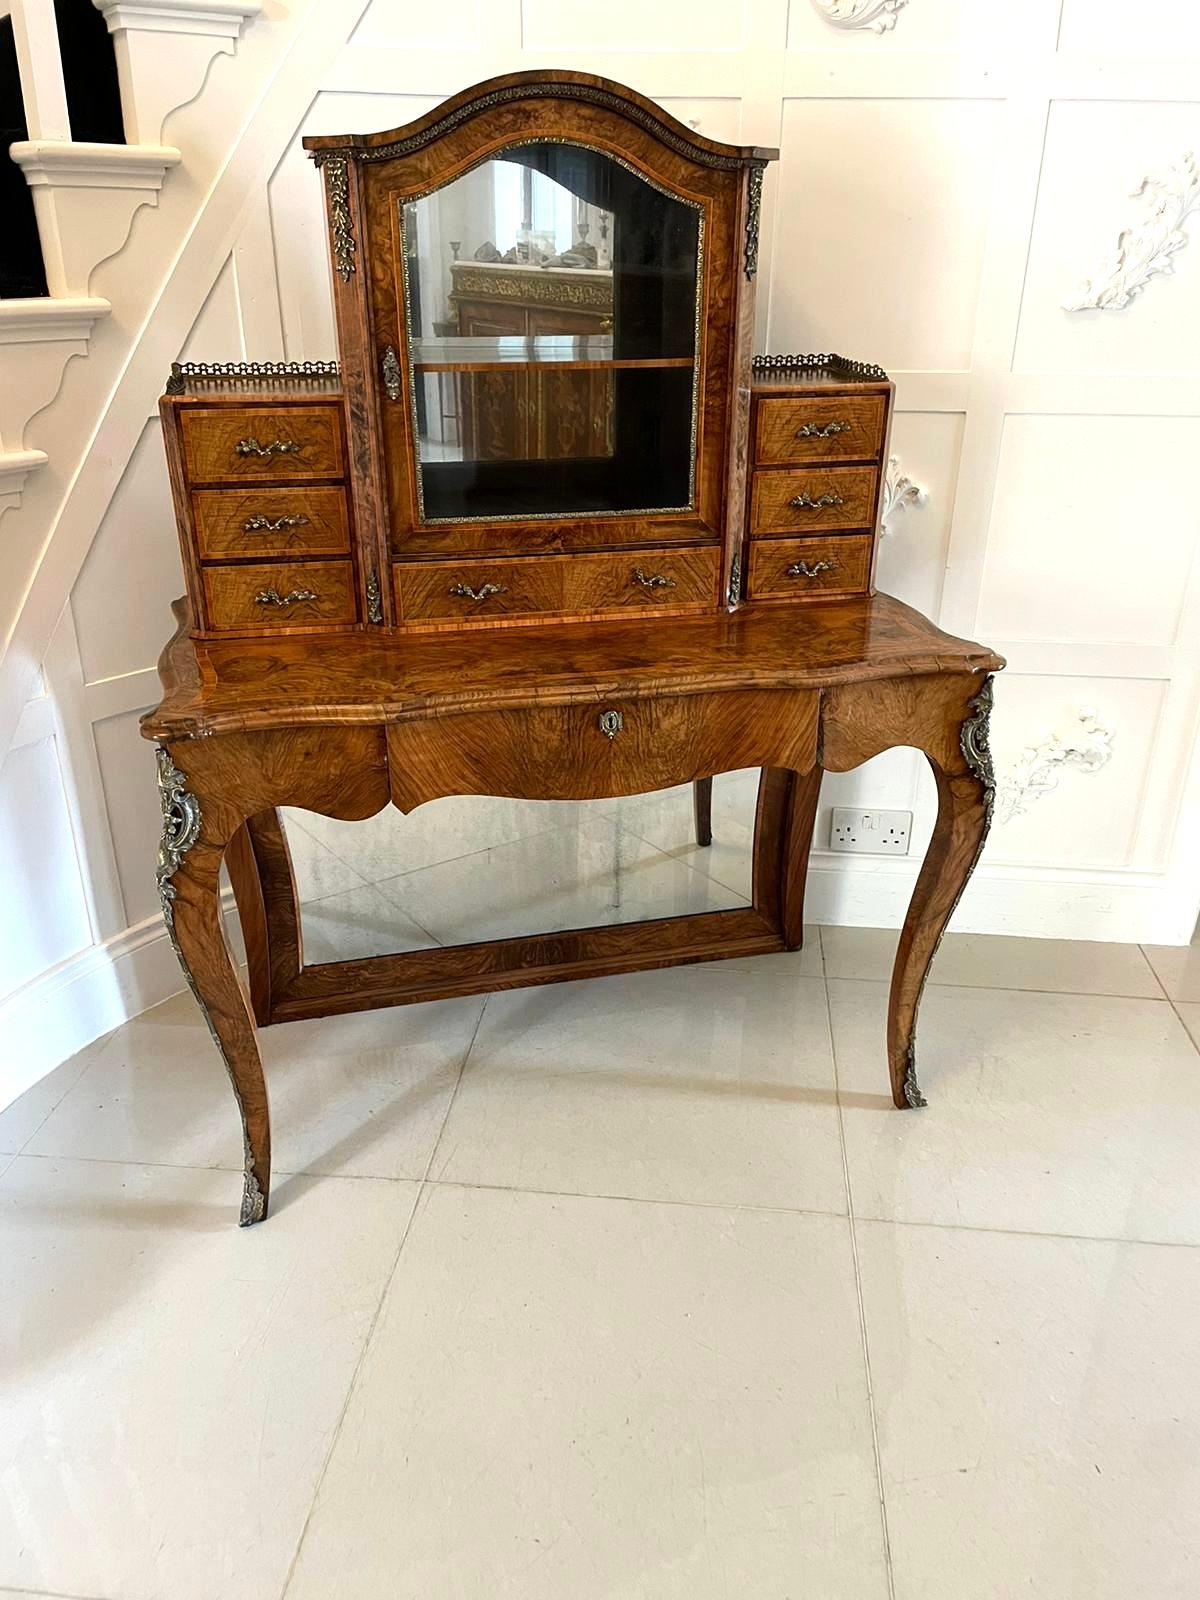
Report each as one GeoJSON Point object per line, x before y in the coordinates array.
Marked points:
{"type": "Point", "coordinates": [516, 87]}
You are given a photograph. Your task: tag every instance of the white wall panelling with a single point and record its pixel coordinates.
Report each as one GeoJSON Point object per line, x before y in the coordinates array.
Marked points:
{"type": "Point", "coordinates": [943, 186]}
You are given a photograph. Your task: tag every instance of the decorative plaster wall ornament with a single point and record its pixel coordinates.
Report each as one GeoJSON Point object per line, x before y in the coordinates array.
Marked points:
{"type": "Point", "coordinates": [1146, 249]}
{"type": "Point", "coordinates": [1039, 767]}
{"type": "Point", "coordinates": [878, 15]}
{"type": "Point", "coordinates": [899, 491]}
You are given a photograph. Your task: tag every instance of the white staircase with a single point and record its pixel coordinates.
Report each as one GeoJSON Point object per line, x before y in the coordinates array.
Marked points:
{"type": "Point", "coordinates": [86, 195]}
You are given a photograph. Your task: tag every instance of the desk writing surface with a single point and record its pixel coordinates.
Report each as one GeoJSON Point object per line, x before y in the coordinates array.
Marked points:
{"type": "Point", "coordinates": [242, 684]}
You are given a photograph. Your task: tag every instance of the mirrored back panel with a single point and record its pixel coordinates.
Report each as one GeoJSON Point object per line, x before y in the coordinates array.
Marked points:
{"type": "Point", "coordinates": [552, 300]}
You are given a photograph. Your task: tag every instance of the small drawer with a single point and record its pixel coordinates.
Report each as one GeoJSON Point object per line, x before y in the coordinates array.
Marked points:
{"type": "Point", "coordinates": [792, 569]}
{"type": "Point", "coordinates": [271, 522]}
{"type": "Point", "coordinates": [280, 595]}
{"type": "Point", "coordinates": [813, 500]}
{"type": "Point", "coordinates": [229, 444]}
{"type": "Point", "coordinates": [816, 428]}
{"type": "Point", "coordinates": [640, 580]}
{"type": "Point", "coordinates": [482, 591]}
{"type": "Point", "coordinates": [605, 747]}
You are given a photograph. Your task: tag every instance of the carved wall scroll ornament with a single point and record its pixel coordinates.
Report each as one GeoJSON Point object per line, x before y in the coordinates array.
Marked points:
{"type": "Point", "coordinates": [181, 823]}
{"type": "Point", "coordinates": [899, 491]}
{"type": "Point", "coordinates": [877, 15]}
{"type": "Point", "coordinates": [1147, 248]}
{"type": "Point", "coordinates": [337, 187]}
{"type": "Point", "coordinates": [1038, 768]}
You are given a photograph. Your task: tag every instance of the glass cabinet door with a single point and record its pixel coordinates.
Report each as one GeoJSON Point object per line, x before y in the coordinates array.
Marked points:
{"type": "Point", "coordinates": [552, 301]}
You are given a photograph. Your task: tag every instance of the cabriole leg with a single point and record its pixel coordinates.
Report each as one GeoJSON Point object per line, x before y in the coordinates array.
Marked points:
{"type": "Point", "coordinates": [189, 888]}
{"type": "Point", "coordinates": [965, 797]}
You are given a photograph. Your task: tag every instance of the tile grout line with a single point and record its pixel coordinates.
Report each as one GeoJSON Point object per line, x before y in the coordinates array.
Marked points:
{"type": "Point", "coordinates": [858, 1294]}
{"type": "Point", "coordinates": [336, 1432]}
{"type": "Point", "coordinates": [102, 1043]}
{"type": "Point", "coordinates": [46, 1594]}
{"type": "Point", "coordinates": [1170, 999]}
{"type": "Point", "coordinates": [619, 1199]}
{"type": "Point", "coordinates": [1010, 988]}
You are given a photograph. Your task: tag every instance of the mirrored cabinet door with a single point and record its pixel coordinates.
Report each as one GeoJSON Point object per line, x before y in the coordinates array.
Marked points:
{"type": "Point", "coordinates": [552, 303]}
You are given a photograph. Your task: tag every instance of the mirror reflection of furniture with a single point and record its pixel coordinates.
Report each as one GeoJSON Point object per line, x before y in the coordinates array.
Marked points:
{"type": "Point", "coordinates": [559, 350]}
{"type": "Point", "coordinates": [544, 410]}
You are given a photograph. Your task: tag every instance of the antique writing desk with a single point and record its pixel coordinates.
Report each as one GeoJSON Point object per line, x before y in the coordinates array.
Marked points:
{"type": "Point", "coordinates": [578, 546]}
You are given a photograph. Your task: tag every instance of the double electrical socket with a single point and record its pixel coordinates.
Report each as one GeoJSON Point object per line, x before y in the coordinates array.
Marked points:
{"type": "Point", "coordinates": [875, 833]}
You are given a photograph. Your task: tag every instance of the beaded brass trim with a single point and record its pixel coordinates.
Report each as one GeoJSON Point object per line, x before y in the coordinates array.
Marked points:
{"type": "Point", "coordinates": [837, 366]}
{"type": "Point", "coordinates": [182, 372]}
{"type": "Point", "coordinates": [588, 93]}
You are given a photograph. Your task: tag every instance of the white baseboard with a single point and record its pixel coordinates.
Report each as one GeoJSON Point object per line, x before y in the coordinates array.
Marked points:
{"type": "Point", "coordinates": [58, 1013]}
{"type": "Point", "coordinates": [1112, 906]}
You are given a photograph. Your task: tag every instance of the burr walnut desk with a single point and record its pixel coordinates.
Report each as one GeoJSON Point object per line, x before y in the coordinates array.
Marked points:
{"type": "Point", "coordinates": [601, 554]}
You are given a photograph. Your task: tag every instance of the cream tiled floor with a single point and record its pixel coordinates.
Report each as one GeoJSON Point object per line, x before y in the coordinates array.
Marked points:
{"type": "Point", "coordinates": [629, 1290]}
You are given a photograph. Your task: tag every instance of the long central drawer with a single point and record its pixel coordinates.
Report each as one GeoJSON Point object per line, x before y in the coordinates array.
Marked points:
{"type": "Point", "coordinates": [484, 591]}
{"type": "Point", "coordinates": [602, 748]}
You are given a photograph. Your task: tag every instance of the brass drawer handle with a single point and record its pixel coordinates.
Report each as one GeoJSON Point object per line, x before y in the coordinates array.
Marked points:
{"type": "Point", "coordinates": [830, 430]}
{"type": "Point", "coordinates": [261, 524]}
{"type": "Point", "coordinates": [272, 597]}
{"type": "Point", "coordinates": [805, 502]}
{"type": "Point", "coordinates": [464, 591]}
{"type": "Point", "coordinates": [277, 447]}
{"type": "Point", "coordinates": [611, 723]}
{"type": "Point", "coordinates": [657, 581]}
{"type": "Point", "coordinates": [801, 569]}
